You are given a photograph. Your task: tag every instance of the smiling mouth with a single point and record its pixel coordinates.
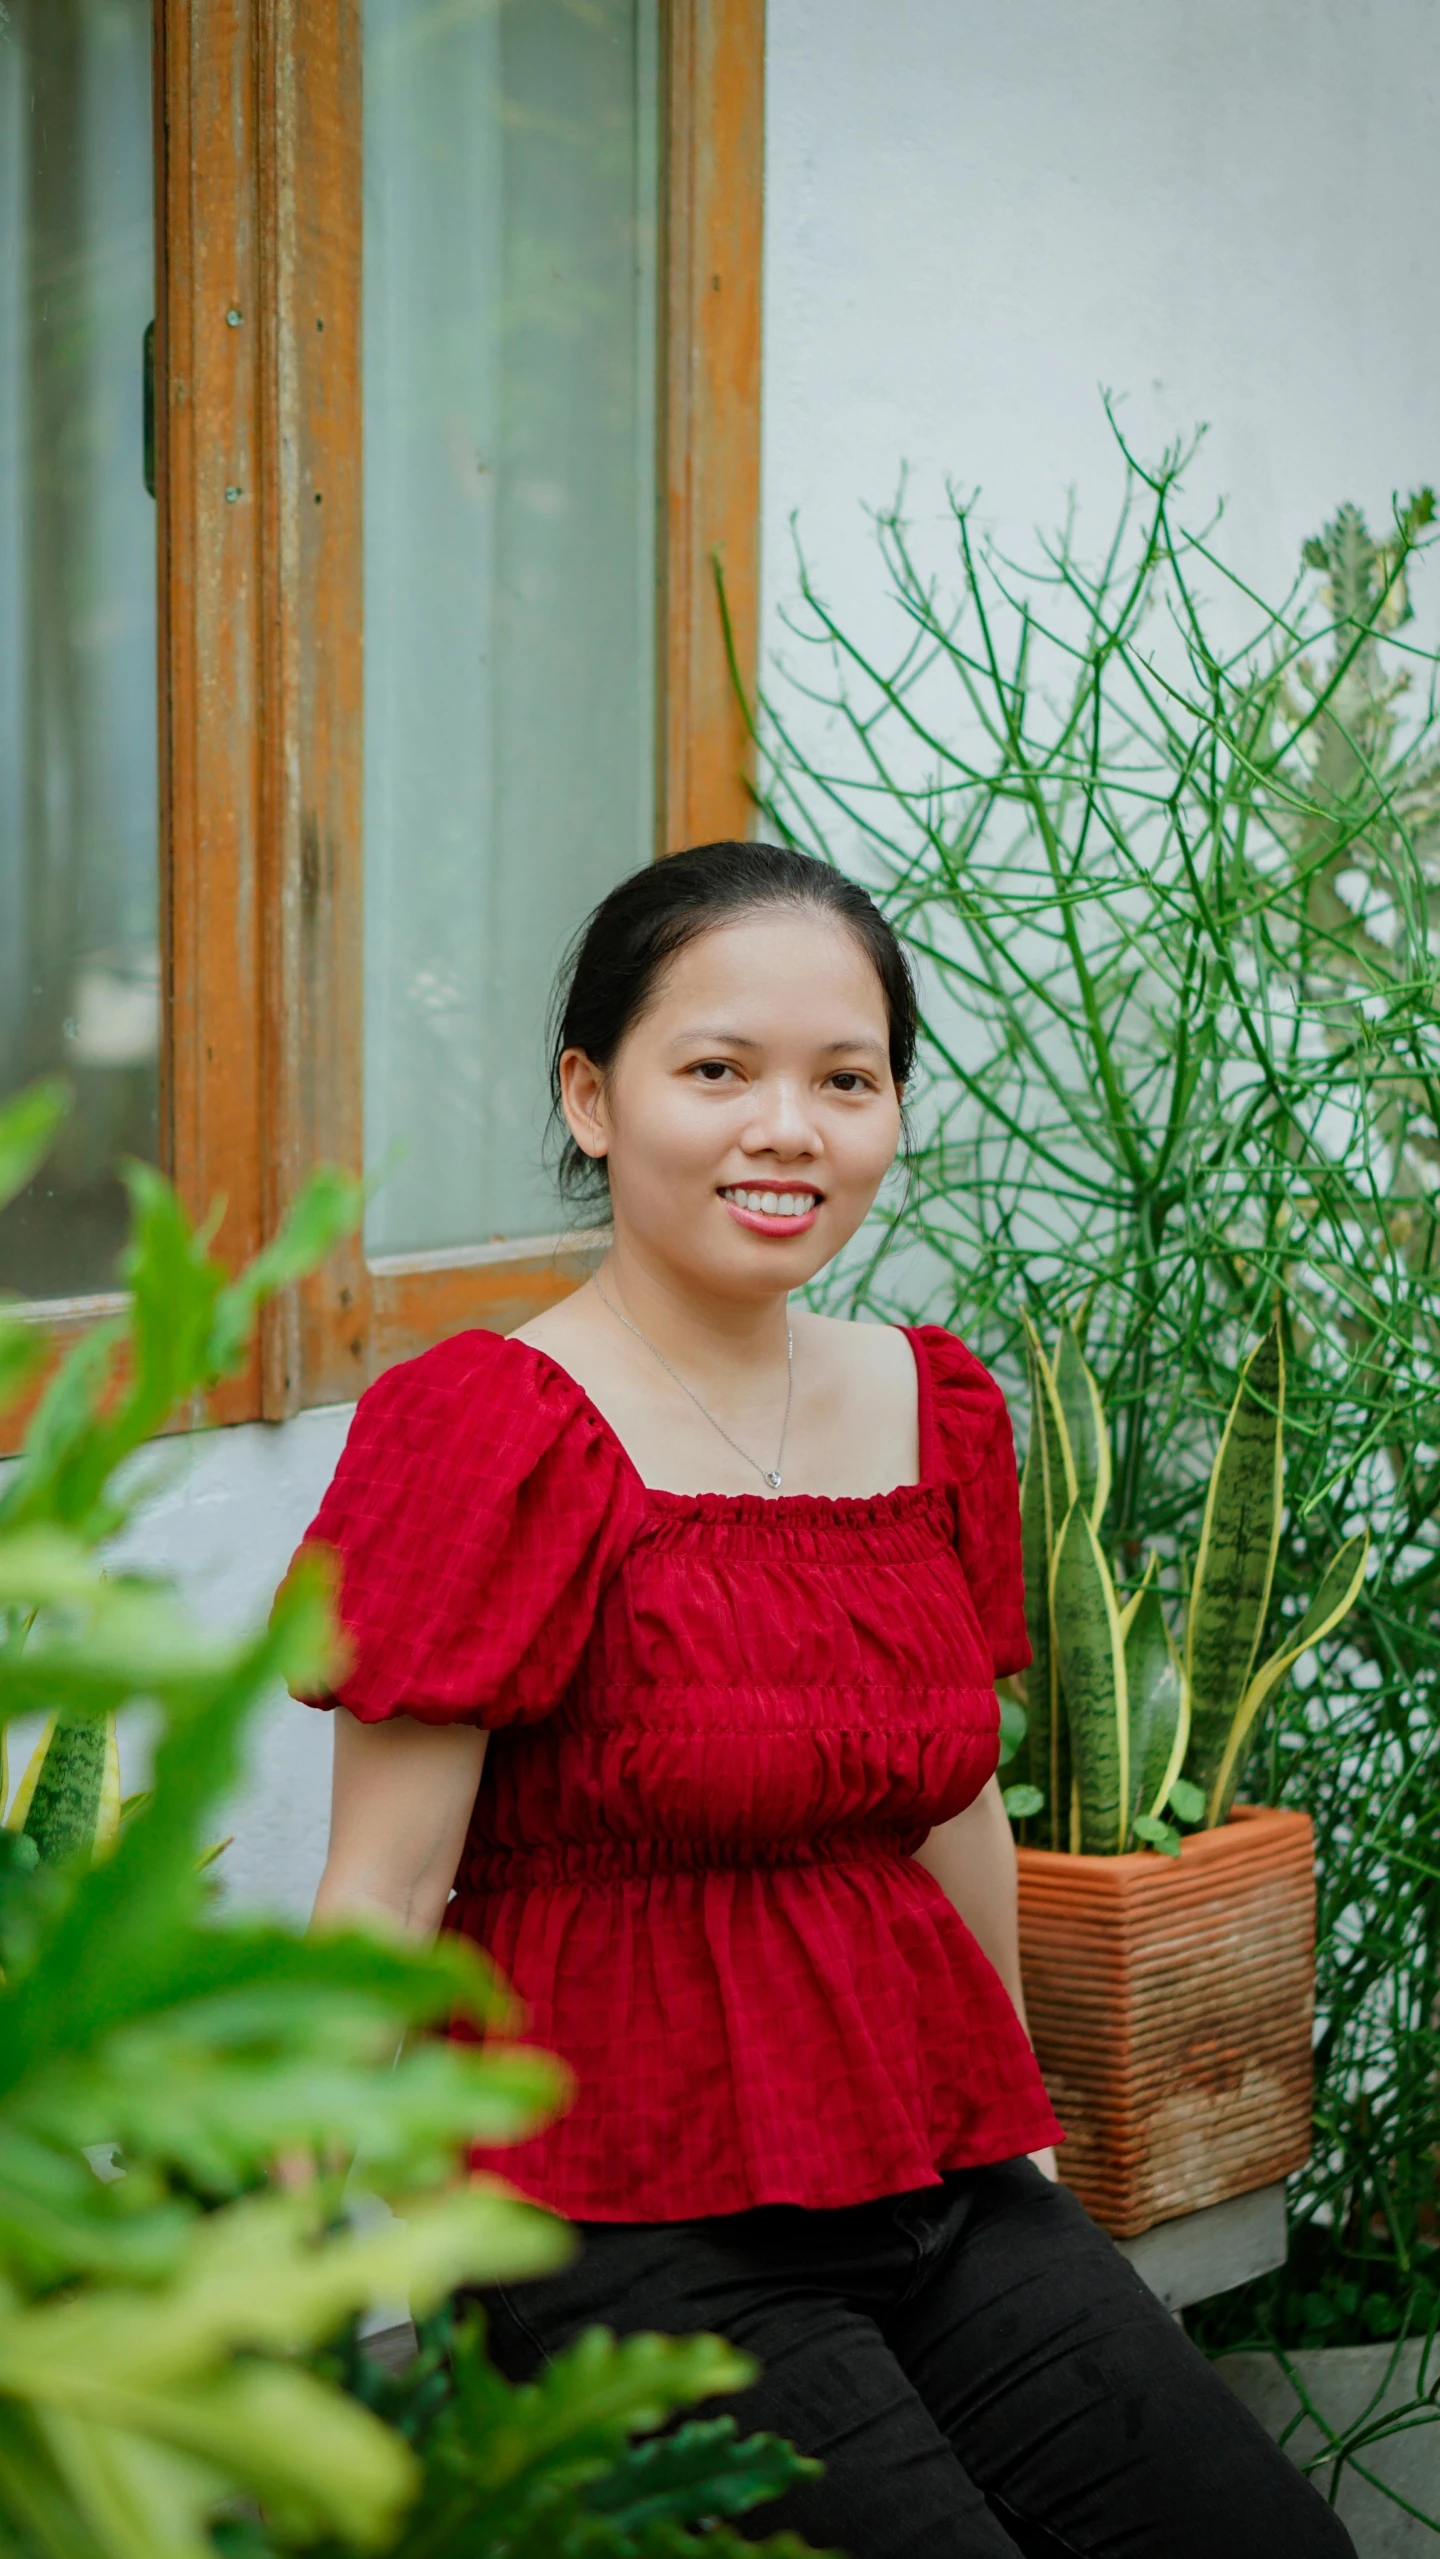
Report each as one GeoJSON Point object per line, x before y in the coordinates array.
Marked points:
{"type": "Point", "coordinates": [796, 1203]}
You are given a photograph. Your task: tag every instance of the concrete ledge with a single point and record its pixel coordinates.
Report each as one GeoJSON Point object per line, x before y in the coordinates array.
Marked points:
{"type": "Point", "coordinates": [1355, 2391]}
{"type": "Point", "coordinates": [1211, 2251]}
{"type": "Point", "coordinates": [394, 2346]}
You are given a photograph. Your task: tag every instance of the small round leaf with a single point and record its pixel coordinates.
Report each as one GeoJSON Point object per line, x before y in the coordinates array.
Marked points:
{"type": "Point", "coordinates": [1186, 1801]}
{"type": "Point", "coordinates": [1021, 1801]}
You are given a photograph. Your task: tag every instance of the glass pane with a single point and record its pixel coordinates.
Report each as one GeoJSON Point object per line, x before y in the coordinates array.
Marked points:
{"type": "Point", "coordinates": [79, 958]}
{"type": "Point", "coordinates": [510, 151]}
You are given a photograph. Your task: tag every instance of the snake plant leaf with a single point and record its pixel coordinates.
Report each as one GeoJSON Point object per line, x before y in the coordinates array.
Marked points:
{"type": "Point", "coordinates": [68, 1800]}
{"type": "Point", "coordinates": [1046, 1496]}
{"type": "Point", "coordinates": [1129, 1606]}
{"type": "Point", "coordinates": [1035, 1568]}
{"type": "Point", "coordinates": [1091, 1652]}
{"type": "Point", "coordinates": [1230, 1594]}
{"type": "Point", "coordinates": [15, 1818]}
{"type": "Point", "coordinates": [1079, 1399]}
{"type": "Point", "coordinates": [1159, 1711]}
{"type": "Point", "coordinates": [1336, 1596]}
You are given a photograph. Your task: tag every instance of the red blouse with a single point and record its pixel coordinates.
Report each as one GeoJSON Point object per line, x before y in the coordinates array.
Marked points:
{"type": "Point", "coordinates": [727, 1722]}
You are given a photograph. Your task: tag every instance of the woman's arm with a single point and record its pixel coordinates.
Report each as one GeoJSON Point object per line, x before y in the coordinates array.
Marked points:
{"type": "Point", "coordinates": [972, 1859]}
{"type": "Point", "coordinates": [400, 1806]}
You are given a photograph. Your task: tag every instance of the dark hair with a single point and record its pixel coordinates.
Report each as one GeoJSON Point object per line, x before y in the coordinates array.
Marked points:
{"type": "Point", "coordinates": [609, 973]}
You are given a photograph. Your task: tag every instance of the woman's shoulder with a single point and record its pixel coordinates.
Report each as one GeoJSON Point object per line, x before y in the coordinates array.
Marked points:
{"type": "Point", "coordinates": [889, 1354]}
{"type": "Point", "coordinates": [971, 1419]}
{"type": "Point", "coordinates": [470, 1378]}
{"type": "Point", "coordinates": [462, 1430]}
{"type": "Point", "coordinates": [477, 1511]}
{"type": "Point", "coordinates": [954, 1367]}
{"type": "Point", "coordinates": [861, 1352]}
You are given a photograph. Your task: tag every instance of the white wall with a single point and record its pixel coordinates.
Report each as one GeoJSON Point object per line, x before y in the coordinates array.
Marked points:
{"type": "Point", "coordinates": [226, 1525]}
{"type": "Point", "coordinates": [979, 211]}
{"type": "Point", "coordinates": [233, 1508]}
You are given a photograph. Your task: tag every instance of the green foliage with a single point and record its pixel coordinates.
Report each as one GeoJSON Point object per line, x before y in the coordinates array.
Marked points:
{"type": "Point", "coordinates": [1147, 1735]}
{"type": "Point", "coordinates": [161, 2315]}
{"type": "Point", "coordinates": [548, 2470]}
{"type": "Point", "coordinates": [150, 2320]}
{"type": "Point", "coordinates": [68, 1801]}
{"type": "Point", "coordinates": [28, 1127]}
{"type": "Point", "coordinates": [1156, 1688]}
{"type": "Point", "coordinates": [187, 1326]}
{"type": "Point", "coordinates": [1168, 856]}
{"type": "Point", "coordinates": [1090, 1652]}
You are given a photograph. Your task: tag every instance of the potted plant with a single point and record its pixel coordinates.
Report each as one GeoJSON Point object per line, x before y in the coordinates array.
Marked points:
{"type": "Point", "coordinates": [1166, 850]}
{"type": "Point", "coordinates": [1169, 1980]}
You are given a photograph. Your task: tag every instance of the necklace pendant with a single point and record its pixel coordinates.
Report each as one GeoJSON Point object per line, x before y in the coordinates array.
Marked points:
{"type": "Point", "coordinates": [772, 1478]}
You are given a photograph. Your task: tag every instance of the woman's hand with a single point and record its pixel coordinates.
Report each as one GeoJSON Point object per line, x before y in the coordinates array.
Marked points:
{"type": "Point", "coordinates": [400, 1806]}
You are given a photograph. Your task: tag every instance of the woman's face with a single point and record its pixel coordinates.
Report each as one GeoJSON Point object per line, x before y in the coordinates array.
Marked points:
{"type": "Point", "coordinates": [749, 1115]}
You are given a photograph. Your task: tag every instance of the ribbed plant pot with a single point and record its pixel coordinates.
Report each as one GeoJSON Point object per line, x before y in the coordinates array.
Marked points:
{"type": "Point", "coordinates": [1171, 2000]}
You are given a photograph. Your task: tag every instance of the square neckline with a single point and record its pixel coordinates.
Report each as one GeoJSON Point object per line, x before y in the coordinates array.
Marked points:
{"type": "Point", "coordinates": [926, 1481]}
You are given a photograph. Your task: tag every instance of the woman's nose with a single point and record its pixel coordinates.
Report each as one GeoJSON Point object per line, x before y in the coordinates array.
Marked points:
{"type": "Point", "coordinates": [782, 1122]}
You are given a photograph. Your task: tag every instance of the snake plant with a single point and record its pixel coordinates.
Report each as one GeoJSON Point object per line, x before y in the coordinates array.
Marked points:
{"type": "Point", "coordinates": [68, 1801]}
{"type": "Point", "coordinates": [1126, 1729]}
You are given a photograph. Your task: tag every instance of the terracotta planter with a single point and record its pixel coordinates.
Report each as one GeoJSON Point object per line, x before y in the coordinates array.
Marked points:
{"type": "Point", "coordinates": [1171, 2002]}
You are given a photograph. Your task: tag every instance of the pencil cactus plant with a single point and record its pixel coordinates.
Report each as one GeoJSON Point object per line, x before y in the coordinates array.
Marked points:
{"type": "Point", "coordinates": [1126, 1730]}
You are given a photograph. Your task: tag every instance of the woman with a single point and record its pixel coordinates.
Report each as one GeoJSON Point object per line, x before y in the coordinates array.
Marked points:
{"type": "Point", "coordinates": [732, 1583]}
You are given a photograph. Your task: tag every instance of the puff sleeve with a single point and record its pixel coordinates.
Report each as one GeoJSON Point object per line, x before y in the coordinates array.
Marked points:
{"type": "Point", "coordinates": [975, 1456]}
{"type": "Point", "coordinates": [480, 1506]}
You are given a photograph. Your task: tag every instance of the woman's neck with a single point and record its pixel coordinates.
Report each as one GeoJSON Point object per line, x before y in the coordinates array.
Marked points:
{"type": "Point", "coordinates": [700, 1331]}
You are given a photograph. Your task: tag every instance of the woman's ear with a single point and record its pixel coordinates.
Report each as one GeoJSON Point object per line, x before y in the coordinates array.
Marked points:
{"type": "Point", "coordinates": [582, 1099]}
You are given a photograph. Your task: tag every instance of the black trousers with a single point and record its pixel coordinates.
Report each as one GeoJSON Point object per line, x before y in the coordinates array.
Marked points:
{"type": "Point", "coordinates": [979, 2369]}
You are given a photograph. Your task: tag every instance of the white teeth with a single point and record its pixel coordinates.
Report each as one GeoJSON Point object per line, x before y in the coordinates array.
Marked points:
{"type": "Point", "coordinates": [772, 1203]}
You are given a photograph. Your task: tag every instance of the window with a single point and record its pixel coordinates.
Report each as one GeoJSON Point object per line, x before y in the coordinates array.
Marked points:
{"type": "Point", "coordinates": [456, 357]}
{"type": "Point", "coordinates": [79, 886]}
{"type": "Point", "coordinates": [510, 503]}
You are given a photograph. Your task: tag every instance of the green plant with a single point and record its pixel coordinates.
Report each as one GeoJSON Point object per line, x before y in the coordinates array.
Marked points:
{"type": "Point", "coordinates": [151, 2315]}
{"type": "Point", "coordinates": [161, 2302]}
{"type": "Point", "coordinates": [548, 2469]}
{"type": "Point", "coordinates": [1168, 858]}
{"type": "Point", "coordinates": [1122, 1730]}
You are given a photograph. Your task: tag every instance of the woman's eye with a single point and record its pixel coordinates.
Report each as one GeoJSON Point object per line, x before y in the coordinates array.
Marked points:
{"type": "Point", "coordinates": [713, 1070]}
{"type": "Point", "coordinates": [848, 1079]}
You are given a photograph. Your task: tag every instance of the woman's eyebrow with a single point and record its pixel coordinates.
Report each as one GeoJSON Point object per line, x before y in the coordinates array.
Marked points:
{"type": "Point", "coordinates": [707, 1031]}
{"type": "Point", "coordinates": [737, 1039]}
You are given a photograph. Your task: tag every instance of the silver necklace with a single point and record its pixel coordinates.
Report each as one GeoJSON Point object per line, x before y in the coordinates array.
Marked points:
{"type": "Point", "coordinates": [768, 1474]}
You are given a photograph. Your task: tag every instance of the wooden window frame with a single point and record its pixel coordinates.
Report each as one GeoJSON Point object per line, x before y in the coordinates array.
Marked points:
{"type": "Point", "coordinates": [258, 122]}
